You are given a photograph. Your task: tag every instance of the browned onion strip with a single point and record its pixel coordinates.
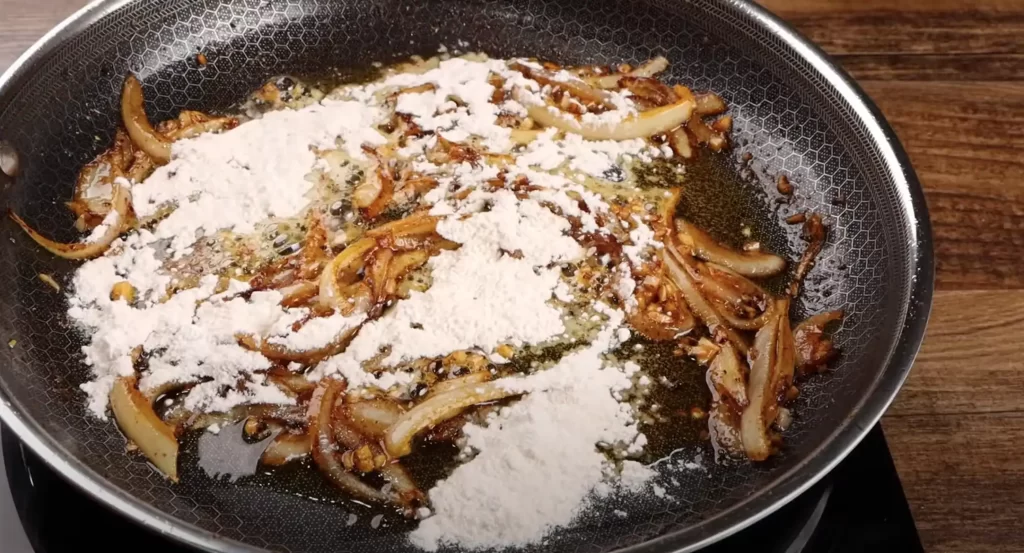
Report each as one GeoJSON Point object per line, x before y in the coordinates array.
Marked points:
{"type": "Point", "coordinates": [121, 203]}
{"type": "Point", "coordinates": [649, 68]}
{"type": "Point", "coordinates": [812, 348]}
{"type": "Point", "coordinates": [372, 417]}
{"type": "Point", "coordinates": [374, 194]}
{"type": "Point", "coordinates": [133, 114]}
{"type": "Point", "coordinates": [437, 409]}
{"type": "Point", "coordinates": [134, 414]}
{"type": "Point", "coordinates": [734, 292]}
{"type": "Point", "coordinates": [750, 264]}
{"type": "Point", "coordinates": [642, 125]}
{"type": "Point", "coordinates": [408, 495]}
{"type": "Point", "coordinates": [578, 88]}
{"type": "Point", "coordinates": [291, 383]}
{"type": "Point", "coordinates": [771, 373]}
{"type": "Point", "coordinates": [341, 271]}
{"type": "Point", "coordinates": [814, 233]}
{"type": "Point", "coordinates": [279, 352]}
{"type": "Point", "coordinates": [418, 224]}
{"type": "Point", "coordinates": [299, 293]}
{"type": "Point", "coordinates": [443, 386]}
{"type": "Point", "coordinates": [286, 448]}
{"type": "Point", "coordinates": [679, 271]}
{"type": "Point", "coordinates": [323, 446]}
{"type": "Point", "coordinates": [680, 142]}
{"type": "Point", "coordinates": [726, 379]}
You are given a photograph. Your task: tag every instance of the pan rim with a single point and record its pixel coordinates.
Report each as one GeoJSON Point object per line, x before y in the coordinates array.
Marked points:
{"type": "Point", "coordinates": [784, 489]}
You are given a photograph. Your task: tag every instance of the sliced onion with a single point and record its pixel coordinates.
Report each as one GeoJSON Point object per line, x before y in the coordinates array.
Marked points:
{"type": "Point", "coordinates": [374, 194]}
{"type": "Point", "coordinates": [668, 208]}
{"type": "Point", "coordinates": [121, 203]}
{"type": "Point", "coordinates": [726, 379]}
{"type": "Point", "coordinates": [343, 270]}
{"type": "Point", "coordinates": [812, 349]}
{"type": "Point", "coordinates": [732, 292]}
{"type": "Point", "coordinates": [287, 448]}
{"type": "Point", "coordinates": [477, 377]}
{"type": "Point", "coordinates": [660, 326]}
{"type": "Point", "coordinates": [133, 114]}
{"type": "Point", "coordinates": [771, 373]}
{"type": "Point", "coordinates": [578, 88]}
{"type": "Point", "coordinates": [437, 409]}
{"type": "Point", "coordinates": [134, 414]}
{"type": "Point", "coordinates": [372, 417]}
{"type": "Point", "coordinates": [750, 264]}
{"type": "Point", "coordinates": [649, 68]}
{"type": "Point", "coordinates": [408, 495]}
{"type": "Point", "coordinates": [323, 447]}
{"type": "Point", "coordinates": [404, 263]}
{"type": "Point", "coordinates": [814, 233]}
{"type": "Point", "coordinates": [680, 142]}
{"type": "Point", "coordinates": [642, 125]}
{"type": "Point", "coordinates": [299, 293]}
{"type": "Point", "coordinates": [376, 274]}
{"type": "Point", "coordinates": [418, 224]}
{"type": "Point", "coordinates": [280, 352]}
{"type": "Point", "coordinates": [682, 275]}
{"type": "Point", "coordinates": [195, 123]}
{"type": "Point", "coordinates": [291, 383]}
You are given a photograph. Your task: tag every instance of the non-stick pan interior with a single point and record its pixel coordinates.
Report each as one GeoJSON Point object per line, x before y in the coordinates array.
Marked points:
{"type": "Point", "coordinates": [62, 110]}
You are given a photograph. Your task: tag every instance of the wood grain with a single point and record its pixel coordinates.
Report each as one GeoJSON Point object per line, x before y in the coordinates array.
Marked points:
{"type": "Point", "coordinates": [949, 76]}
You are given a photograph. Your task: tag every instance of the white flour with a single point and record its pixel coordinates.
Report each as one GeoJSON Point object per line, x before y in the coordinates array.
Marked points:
{"type": "Point", "coordinates": [537, 463]}
{"type": "Point", "coordinates": [482, 295]}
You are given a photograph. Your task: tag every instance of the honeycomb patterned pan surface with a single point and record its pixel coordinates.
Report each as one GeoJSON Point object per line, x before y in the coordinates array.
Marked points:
{"type": "Point", "coordinates": [63, 111]}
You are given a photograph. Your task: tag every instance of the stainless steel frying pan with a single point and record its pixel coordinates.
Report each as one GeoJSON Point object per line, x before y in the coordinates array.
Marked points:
{"type": "Point", "coordinates": [795, 111]}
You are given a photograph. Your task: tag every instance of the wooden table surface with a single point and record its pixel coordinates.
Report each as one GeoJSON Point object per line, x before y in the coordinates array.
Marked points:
{"type": "Point", "coordinates": [949, 75]}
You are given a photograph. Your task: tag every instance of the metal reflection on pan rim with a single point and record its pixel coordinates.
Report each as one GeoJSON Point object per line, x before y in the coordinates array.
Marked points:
{"type": "Point", "coordinates": [813, 468]}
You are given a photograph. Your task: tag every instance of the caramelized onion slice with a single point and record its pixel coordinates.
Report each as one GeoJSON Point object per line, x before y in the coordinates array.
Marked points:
{"type": "Point", "coordinates": [750, 264]}
{"type": "Point", "coordinates": [133, 114]}
{"type": "Point", "coordinates": [287, 448]}
{"type": "Point", "coordinates": [437, 409]}
{"type": "Point", "coordinates": [681, 271]}
{"type": "Point", "coordinates": [771, 373]}
{"type": "Point", "coordinates": [641, 125]}
{"type": "Point", "coordinates": [812, 348]}
{"type": "Point", "coordinates": [135, 416]}
{"type": "Point", "coordinates": [736, 296]}
{"type": "Point", "coordinates": [121, 203]}
{"type": "Point", "coordinates": [726, 379]}
{"type": "Point", "coordinates": [372, 417]}
{"type": "Point", "coordinates": [572, 85]}
{"type": "Point", "coordinates": [342, 271]}
{"type": "Point", "coordinates": [649, 68]}
{"type": "Point", "coordinates": [323, 447]}
{"type": "Point", "coordinates": [477, 377]}
{"type": "Point", "coordinates": [280, 352]}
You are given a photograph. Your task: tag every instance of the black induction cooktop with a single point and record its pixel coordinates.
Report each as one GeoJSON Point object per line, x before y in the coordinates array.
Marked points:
{"type": "Point", "coordinates": [859, 507]}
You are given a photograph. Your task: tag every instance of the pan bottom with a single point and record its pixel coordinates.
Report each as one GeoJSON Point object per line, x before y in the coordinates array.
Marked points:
{"type": "Point", "coordinates": [57, 517]}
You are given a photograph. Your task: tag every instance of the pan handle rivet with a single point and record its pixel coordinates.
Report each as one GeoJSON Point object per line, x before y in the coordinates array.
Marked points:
{"type": "Point", "coordinates": [8, 159]}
